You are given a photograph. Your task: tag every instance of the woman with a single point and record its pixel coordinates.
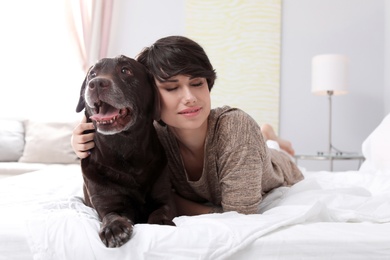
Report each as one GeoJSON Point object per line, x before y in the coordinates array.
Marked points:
{"type": "Point", "coordinates": [218, 158]}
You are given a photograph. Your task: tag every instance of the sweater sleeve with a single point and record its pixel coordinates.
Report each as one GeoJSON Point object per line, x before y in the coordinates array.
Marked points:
{"type": "Point", "coordinates": [243, 159]}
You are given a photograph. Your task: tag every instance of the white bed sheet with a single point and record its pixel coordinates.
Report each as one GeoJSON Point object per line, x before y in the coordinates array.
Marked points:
{"type": "Point", "coordinates": [21, 195]}
{"type": "Point", "coordinates": [339, 215]}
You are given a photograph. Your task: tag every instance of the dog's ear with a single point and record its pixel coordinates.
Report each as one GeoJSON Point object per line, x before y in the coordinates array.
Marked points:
{"type": "Point", "coordinates": [81, 104]}
{"type": "Point", "coordinates": [156, 105]}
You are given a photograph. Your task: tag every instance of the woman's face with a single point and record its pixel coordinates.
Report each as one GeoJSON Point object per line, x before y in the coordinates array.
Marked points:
{"type": "Point", "coordinates": [185, 101]}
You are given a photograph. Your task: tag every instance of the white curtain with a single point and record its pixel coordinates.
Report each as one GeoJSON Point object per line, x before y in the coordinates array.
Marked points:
{"type": "Point", "coordinates": [90, 22]}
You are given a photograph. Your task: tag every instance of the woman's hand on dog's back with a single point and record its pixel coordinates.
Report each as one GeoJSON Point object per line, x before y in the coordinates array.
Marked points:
{"type": "Point", "coordinates": [82, 138]}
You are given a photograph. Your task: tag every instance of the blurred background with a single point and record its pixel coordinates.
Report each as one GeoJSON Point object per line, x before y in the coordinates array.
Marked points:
{"type": "Point", "coordinates": [261, 50]}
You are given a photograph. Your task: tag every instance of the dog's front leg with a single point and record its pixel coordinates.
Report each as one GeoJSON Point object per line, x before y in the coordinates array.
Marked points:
{"type": "Point", "coordinates": [117, 220]}
{"type": "Point", "coordinates": [116, 230]}
{"type": "Point", "coordinates": [162, 195]}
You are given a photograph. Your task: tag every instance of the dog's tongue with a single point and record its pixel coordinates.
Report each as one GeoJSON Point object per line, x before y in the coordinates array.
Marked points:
{"type": "Point", "coordinates": [106, 112]}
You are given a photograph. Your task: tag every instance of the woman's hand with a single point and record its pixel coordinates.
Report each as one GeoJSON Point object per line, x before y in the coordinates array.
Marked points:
{"type": "Point", "coordinates": [81, 142]}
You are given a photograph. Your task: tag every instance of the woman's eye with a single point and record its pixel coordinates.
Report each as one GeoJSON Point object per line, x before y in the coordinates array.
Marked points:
{"type": "Point", "coordinates": [171, 89]}
{"type": "Point", "coordinates": [126, 71]}
{"type": "Point", "coordinates": [198, 84]}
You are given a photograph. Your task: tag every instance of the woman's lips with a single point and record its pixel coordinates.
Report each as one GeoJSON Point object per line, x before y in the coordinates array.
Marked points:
{"type": "Point", "coordinates": [193, 111]}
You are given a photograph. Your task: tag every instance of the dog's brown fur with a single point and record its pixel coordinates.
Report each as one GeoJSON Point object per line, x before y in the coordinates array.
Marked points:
{"type": "Point", "coordinates": [124, 177]}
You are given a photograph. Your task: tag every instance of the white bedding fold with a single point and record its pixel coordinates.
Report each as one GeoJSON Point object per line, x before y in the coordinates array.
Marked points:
{"type": "Point", "coordinates": [69, 230]}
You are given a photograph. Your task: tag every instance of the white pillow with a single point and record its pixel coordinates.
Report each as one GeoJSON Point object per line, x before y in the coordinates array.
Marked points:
{"type": "Point", "coordinates": [48, 142]}
{"type": "Point", "coordinates": [376, 148]}
{"type": "Point", "coordinates": [11, 140]}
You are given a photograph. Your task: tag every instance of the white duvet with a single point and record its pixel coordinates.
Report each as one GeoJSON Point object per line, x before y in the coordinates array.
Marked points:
{"type": "Point", "coordinates": [64, 228]}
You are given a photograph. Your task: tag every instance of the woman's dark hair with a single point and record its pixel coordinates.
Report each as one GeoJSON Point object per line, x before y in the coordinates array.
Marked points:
{"type": "Point", "coordinates": [174, 55]}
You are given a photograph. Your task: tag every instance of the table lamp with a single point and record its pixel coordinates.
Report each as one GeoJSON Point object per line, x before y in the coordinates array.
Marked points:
{"type": "Point", "coordinates": [329, 77]}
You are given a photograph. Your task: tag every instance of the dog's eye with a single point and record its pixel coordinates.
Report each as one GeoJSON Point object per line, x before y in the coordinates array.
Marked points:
{"type": "Point", "coordinates": [126, 71]}
{"type": "Point", "coordinates": [92, 74]}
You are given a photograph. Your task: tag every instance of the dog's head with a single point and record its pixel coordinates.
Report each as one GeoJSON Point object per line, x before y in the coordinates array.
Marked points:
{"type": "Point", "coordinates": [116, 93]}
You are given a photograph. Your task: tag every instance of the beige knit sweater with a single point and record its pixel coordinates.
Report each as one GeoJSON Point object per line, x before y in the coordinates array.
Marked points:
{"type": "Point", "coordinates": [238, 167]}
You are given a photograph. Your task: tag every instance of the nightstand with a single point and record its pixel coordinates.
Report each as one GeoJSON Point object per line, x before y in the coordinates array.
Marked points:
{"type": "Point", "coordinates": [330, 157]}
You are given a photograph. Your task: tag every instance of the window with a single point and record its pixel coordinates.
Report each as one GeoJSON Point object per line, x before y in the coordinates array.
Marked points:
{"type": "Point", "coordinates": [41, 74]}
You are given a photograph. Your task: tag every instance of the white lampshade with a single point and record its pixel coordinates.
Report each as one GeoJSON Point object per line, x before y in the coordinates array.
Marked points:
{"type": "Point", "coordinates": [329, 73]}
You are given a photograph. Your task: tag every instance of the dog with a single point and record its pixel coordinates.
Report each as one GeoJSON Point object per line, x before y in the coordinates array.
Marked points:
{"type": "Point", "coordinates": [125, 178]}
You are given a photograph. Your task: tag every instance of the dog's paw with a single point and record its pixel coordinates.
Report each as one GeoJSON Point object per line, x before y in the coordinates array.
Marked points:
{"type": "Point", "coordinates": [116, 230]}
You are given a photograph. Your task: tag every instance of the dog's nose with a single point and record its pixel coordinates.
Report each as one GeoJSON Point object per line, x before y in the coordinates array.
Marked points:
{"type": "Point", "coordinates": [99, 83]}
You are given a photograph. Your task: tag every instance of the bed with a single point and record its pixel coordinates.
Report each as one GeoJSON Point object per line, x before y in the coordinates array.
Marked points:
{"type": "Point", "coordinates": [329, 215]}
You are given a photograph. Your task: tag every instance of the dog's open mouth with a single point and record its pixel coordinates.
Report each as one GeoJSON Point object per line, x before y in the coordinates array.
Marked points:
{"type": "Point", "coordinates": [108, 116]}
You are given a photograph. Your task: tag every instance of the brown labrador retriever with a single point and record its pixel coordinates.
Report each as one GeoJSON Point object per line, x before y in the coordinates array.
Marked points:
{"type": "Point", "coordinates": [124, 177]}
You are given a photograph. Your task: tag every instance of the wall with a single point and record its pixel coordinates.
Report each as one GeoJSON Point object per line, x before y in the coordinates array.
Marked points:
{"type": "Point", "coordinates": [351, 27]}
{"type": "Point", "coordinates": [242, 40]}
{"type": "Point", "coordinates": [139, 23]}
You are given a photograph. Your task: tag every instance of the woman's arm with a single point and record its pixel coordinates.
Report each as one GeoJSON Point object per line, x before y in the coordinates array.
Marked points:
{"type": "Point", "coordinates": [247, 167]}
{"type": "Point", "coordinates": [243, 160]}
{"type": "Point", "coordinates": [190, 208]}
{"type": "Point", "coordinates": [82, 143]}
